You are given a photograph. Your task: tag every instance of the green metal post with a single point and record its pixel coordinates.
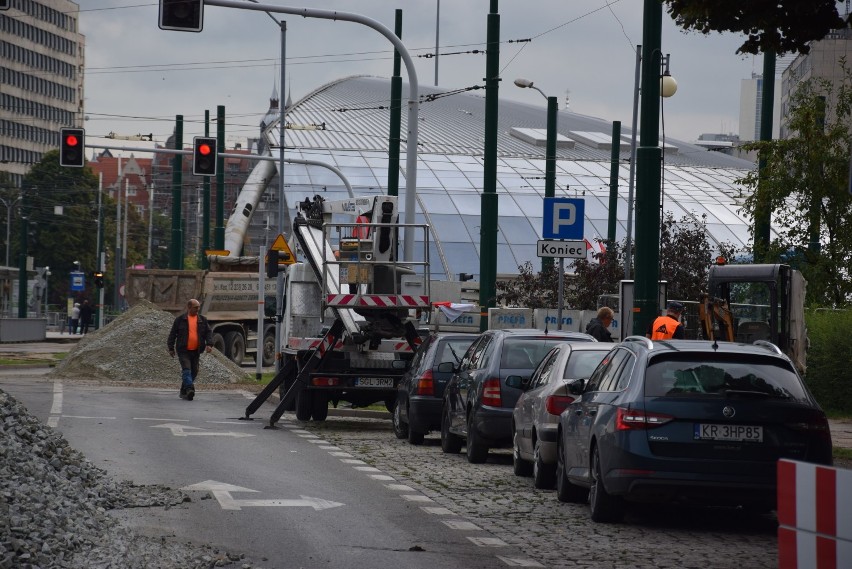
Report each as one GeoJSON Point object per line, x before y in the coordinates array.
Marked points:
{"type": "Point", "coordinates": [488, 224]}
{"type": "Point", "coordinates": [395, 115]}
{"type": "Point", "coordinates": [176, 248]}
{"type": "Point", "coordinates": [205, 227]}
{"type": "Point", "coordinates": [763, 209]}
{"type": "Point", "coordinates": [550, 161]}
{"type": "Point", "coordinates": [219, 236]}
{"type": "Point", "coordinates": [22, 261]}
{"type": "Point", "coordinates": [648, 175]}
{"type": "Point", "coordinates": [614, 159]}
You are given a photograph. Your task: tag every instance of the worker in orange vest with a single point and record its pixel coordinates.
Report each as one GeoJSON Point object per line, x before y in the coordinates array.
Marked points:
{"type": "Point", "coordinates": [668, 326]}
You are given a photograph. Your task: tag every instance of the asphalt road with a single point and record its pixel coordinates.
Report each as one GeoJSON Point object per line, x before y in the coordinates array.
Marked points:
{"type": "Point", "coordinates": [286, 496]}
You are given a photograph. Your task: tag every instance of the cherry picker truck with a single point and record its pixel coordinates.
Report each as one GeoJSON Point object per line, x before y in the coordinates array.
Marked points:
{"type": "Point", "coordinates": [350, 308]}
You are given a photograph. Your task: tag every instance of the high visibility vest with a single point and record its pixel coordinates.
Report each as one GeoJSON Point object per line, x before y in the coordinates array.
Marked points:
{"type": "Point", "coordinates": [664, 328]}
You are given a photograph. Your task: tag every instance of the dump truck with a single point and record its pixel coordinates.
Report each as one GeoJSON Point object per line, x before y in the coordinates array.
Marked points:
{"type": "Point", "coordinates": [351, 308]}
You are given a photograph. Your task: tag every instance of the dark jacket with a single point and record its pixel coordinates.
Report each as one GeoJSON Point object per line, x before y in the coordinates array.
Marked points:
{"type": "Point", "coordinates": [179, 334]}
{"type": "Point", "coordinates": [596, 328]}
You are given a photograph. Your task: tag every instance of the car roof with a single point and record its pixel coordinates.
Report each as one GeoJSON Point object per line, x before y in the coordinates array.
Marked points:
{"type": "Point", "coordinates": [706, 346]}
{"type": "Point", "coordinates": [588, 346]}
{"type": "Point", "coordinates": [537, 332]}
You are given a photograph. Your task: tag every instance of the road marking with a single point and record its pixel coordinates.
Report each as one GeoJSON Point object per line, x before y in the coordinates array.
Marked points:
{"type": "Point", "coordinates": [84, 417]}
{"type": "Point", "coordinates": [461, 525]}
{"type": "Point", "coordinates": [330, 447]}
{"type": "Point", "coordinates": [366, 468]}
{"type": "Point", "coordinates": [56, 405]}
{"type": "Point", "coordinates": [352, 461]}
{"type": "Point", "coordinates": [186, 431]}
{"type": "Point", "coordinates": [159, 419]}
{"type": "Point", "coordinates": [222, 492]}
{"type": "Point", "coordinates": [488, 541]}
{"type": "Point", "coordinates": [399, 487]}
{"type": "Point", "coordinates": [384, 477]}
{"type": "Point", "coordinates": [417, 498]}
{"type": "Point", "coordinates": [519, 562]}
{"type": "Point", "coordinates": [437, 511]}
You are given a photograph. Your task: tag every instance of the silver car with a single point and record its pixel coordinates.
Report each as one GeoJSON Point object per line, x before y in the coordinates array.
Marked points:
{"type": "Point", "coordinates": [535, 419]}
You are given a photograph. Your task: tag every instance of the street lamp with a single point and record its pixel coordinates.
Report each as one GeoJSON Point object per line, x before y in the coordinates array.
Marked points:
{"type": "Point", "coordinates": [9, 205]}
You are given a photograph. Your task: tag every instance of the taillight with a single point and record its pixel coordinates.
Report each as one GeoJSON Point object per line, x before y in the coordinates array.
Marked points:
{"type": "Point", "coordinates": [323, 381]}
{"type": "Point", "coordinates": [555, 404]}
{"type": "Point", "coordinates": [627, 419]}
{"type": "Point", "coordinates": [491, 392]}
{"type": "Point", "coordinates": [426, 385]}
{"type": "Point", "coordinates": [817, 426]}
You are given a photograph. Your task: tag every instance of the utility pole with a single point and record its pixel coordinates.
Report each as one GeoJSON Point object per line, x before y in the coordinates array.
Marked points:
{"type": "Point", "coordinates": [176, 249]}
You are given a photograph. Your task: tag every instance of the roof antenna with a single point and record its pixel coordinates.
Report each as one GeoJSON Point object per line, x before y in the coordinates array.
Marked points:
{"type": "Point", "coordinates": [545, 326]}
{"type": "Point", "coordinates": [715, 345]}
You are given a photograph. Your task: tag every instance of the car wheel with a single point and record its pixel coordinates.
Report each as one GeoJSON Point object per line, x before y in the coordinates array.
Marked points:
{"type": "Point", "coordinates": [414, 437]}
{"type": "Point", "coordinates": [400, 429]}
{"type": "Point", "coordinates": [605, 507]}
{"type": "Point", "coordinates": [450, 443]}
{"type": "Point", "coordinates": [319, 407]}
{"type": "Point", "coordinates": [565, 491]}
{"type": "Point", "coordinates": [303, 405]}
{"type": "Point", "coordinates": [544, 475]}
{"type": "Point", "coordinates": [477, 452]}
{"type": "Point", "coordinates": [520, 466]}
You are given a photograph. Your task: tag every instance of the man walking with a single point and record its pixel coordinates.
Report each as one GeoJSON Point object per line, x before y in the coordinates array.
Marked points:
{"type": "Point", "coordinates": [85, 317]}
{"type": "Point", "coordinates": [190, 335]}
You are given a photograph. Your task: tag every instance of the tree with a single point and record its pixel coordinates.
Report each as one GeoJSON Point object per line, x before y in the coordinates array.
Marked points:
{"type": "Point", "coordinates": [805, 181]}
{"type": "Point", "coordinates": [594, 278]}
{"type": "Point", "coordinates": [770, 25]}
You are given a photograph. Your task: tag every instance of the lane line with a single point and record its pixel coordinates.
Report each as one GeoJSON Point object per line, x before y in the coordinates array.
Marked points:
{"type": "Point", "coordinates": [56, 405]}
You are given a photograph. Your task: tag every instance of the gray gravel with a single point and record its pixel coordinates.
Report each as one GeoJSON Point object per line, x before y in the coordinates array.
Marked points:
{"type": "Point", "coordinates": [55, 507]}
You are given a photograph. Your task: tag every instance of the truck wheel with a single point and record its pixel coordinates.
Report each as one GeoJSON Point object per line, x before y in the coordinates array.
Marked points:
{"type": "Point", "coordinates": [235, 347]}
{"type": "Point", "coordinates": [268, 354]}
{"type": "Point", "coordinates": [219, 342]}
{"type": "Point", "coordinates": [303, 405]}
{"type": "Point", "coordinates": [319, 407]}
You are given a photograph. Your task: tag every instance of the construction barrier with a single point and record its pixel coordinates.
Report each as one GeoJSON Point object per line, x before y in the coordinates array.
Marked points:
{"type": "Point", "coordinates": [814, 516]}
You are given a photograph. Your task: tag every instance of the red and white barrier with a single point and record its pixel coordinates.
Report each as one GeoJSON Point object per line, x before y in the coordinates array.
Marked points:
{"type": "Point", "coordinates": [814, 516]}
{"type": "Point", "coordinates": [377, 300]}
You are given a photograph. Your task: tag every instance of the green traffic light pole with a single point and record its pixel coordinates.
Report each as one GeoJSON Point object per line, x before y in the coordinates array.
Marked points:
{"type": "Point", "coordinates": [488, 224]}
{"type": "Point", "coordinates": [648, 176]}
{"type": "Point", "coordinates": [176, 248]}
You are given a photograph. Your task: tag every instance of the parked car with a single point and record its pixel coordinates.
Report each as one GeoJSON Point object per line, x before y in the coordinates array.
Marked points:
{"type": "Point", "coordinates": [477, 406]}
{"type": "Point", "coordinates": [535, 419]}
{"type": "Point", "coordinates": [418, 404]}
{"type": "Point", "coordinates": [681, 420]}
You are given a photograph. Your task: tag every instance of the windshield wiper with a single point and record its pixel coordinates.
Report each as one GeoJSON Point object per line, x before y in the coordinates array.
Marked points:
{"type": "Point", "coordinates": [746, 393]}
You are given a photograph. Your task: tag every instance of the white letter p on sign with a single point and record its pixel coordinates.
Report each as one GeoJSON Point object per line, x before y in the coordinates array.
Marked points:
{"type": "Point", "coordinates": [560, 218]}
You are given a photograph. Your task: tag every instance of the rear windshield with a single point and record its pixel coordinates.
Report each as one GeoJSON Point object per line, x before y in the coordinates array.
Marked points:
{"type": "Point", "coordinates": [452, 350]}
{"type": "Point", "coordinates": [526, 353]}
{"type": "Point", "coordinates": [719, 375]}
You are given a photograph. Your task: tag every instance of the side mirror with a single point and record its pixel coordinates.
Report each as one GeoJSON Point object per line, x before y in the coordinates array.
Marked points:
{"type": "Point", "coordinates": [576, 387]}
{"type": "Point", "coordinates": [517, 382]}
{"type": "Point", "coordinates": [446, 367]}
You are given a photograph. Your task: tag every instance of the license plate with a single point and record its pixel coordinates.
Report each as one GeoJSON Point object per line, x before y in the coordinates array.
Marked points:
{"type": "Point", "coordinates": [374, 382]}
{"type": "Point", "coordinates": [737, 433]}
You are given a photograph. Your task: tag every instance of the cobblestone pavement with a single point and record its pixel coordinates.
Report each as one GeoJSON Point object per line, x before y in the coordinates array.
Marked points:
{"type": "Point", "coordinates": [557, 535]}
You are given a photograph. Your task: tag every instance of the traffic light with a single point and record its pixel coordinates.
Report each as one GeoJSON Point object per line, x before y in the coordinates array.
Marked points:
{"type": "Point", "coordinates": [272, 263]}
{"type": "Point", "coordinates": [5, 4]}
{"type": "Point", "coordinates": [72, 147]}
{"type": "Point", "coordinates": [204, 156]}
{"type": "Point", "coordinates": [182, 15]}
{"type": "Point", "coordinates": [99, 279]}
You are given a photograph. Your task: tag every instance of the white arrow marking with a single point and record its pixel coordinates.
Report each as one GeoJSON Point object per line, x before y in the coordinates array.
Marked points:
{"type": "Point", "coordinates": [222, 492]}
{"type": "Point", "coordinates": [186, 431]}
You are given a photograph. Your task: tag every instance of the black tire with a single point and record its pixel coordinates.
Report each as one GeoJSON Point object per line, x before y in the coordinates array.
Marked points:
{"type": "Point", "coordinates": [520, 466]}
{"type": "Point", "coordinates": [400, 429]}
{"type": "Point", "coordinates": [415, 437]}
{"type": "Point", "coordinates": [477, 451]}
{"type": "Point", "coordinates": [303, 405]}
{"type": "Point", "coordinates": [219, 342]}
{"type": "Point", "coordinates": [544, 475]}
{"type": "Point", "coordinates": [450, 442]}
{"type": "Point", "coordinates": [319, 407]}
{"type": "Point", "coordinates": [605, 507]}
{"type": "Point", "coordinates": [267, 356]}
{"type": "Point", "coordinates": [565, 491]}
{"type": "Point", "coordinates": [235, 347]}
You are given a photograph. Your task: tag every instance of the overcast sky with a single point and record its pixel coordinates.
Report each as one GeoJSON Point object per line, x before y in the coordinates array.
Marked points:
{"type": "Point", "coordinates": [139, 77]}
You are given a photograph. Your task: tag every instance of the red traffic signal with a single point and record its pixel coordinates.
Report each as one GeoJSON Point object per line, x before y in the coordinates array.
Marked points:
{"type": "Point", "coordinates": [72, 151]}
{"type": "Point", "coordinates": [204, 156]}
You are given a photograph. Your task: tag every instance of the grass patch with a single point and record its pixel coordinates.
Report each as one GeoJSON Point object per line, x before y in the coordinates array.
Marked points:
{"type": "Point", "coordinates": [27, 359]}
{"type": "Point", "coordinates": [843, 453]}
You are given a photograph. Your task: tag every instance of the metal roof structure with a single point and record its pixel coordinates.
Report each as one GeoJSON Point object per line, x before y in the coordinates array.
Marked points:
{"type": "Point", "coordinates": [346, 124]}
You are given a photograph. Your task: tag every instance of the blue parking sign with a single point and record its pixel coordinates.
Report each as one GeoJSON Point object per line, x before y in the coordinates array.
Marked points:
{"type": "Point", "coordinates": [78, 281]}
{"type": "Point", "coordinates": [563, 218]}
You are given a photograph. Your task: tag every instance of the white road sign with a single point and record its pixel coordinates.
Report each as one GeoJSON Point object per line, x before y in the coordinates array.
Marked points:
{"type": "Point", "coordinates": [563, 249]}
{"type": "Point", "coordinates": [187, 431]}
{"type": "Point", "coordinates": [222, 492]}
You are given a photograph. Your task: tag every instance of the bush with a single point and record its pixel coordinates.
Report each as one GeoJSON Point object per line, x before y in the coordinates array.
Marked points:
{"type": "Point", "coordinates": [829, 375]}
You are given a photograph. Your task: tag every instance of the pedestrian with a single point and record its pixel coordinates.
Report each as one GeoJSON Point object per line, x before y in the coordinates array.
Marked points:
{"type": "Point", "coordinates": [598, 326]}
{"type": "Point", "coordinates": [668, 326]}
{"type": "Point", "coordinates": [74, 320]}
{"type": "Point", "coordinates": [190, 335]}
{"type": "Point", "coordinates": [85, 317]}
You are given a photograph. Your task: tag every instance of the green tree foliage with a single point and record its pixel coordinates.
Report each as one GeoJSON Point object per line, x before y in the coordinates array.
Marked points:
{"type": "Point", "coordinates": [596, 277]}
{"type": "Point", "coordinates": [828, 379]}
{"type": "Point", "coordinates": [769, 25]}
{"type": "Point", "coordinates": [805, 180]}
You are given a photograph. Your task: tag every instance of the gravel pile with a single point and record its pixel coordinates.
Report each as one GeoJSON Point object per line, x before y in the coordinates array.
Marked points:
{"type": "Point", "coordinates": [54, 507]}
{"type": "Point", "coordinates": [132, 349]}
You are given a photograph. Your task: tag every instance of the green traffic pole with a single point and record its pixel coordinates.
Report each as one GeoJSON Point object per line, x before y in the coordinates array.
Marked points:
{"type": "Point", "coordinates": [205, 190]}
{"type": "Point", "coordinates": [615, 156]}
{"type": "Point", "coordinates": [395, 115]}
{"type": "Point", "coordinates": [648, 176]}
{"type": "Point", "coordinates": [176, 248]}
{"type": "Point", "coordinates": [488, 224]}
{"type": "Point", "coordinates": [550, 162]}
{"type": "Point", "coordinates": [219, 236]}
{"type": "Point", "coordinates": [763, 209]}
{"type": "Point", "coordinates": [22, 264]}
